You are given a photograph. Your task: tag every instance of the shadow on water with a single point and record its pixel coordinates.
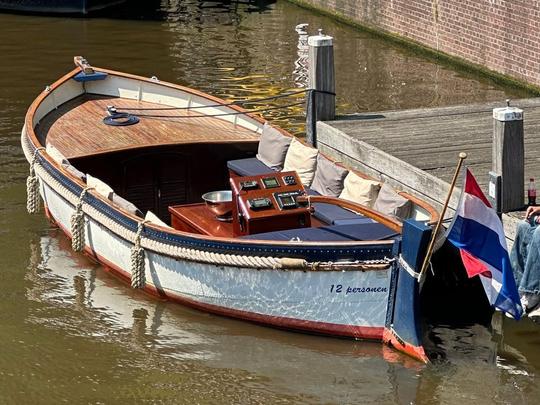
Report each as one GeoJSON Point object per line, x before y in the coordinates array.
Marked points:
{"type": "Point", "coordinates": [157, 10]}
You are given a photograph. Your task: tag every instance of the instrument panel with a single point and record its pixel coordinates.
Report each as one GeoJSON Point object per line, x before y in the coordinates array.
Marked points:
{"type": "Point", "coordinates": [268, 203]}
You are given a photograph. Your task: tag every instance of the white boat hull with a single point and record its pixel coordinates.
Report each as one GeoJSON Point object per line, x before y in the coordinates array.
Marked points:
{"type": "Point", "coordinates": [346, 303]}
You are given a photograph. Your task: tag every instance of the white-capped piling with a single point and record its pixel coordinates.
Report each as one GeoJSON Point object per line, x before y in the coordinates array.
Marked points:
{"type": "Point", "coordinates": [508, 159]}
{"type": "Point", "coordinates": [321, 105]}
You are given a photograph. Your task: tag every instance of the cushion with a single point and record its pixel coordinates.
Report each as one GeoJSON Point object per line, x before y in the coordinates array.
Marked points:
{"type": "Point", "coordinates": [101, 187]}
{"type": "Point", "coordinates": [303, 160]}
{"type": "Point", "coordinates": [55, 154]}
{"type": "Point", "coordinates": [389, 202]}
{"type": "Point", "coordinates": [335, 215]}
{"type": "Point", "coordinates": [360, 190]}
{"type": "Point", "coordinates": [73, 170]}
{"type": "Point", "coordinates": [329, 177]}
{"type": "Point", "coordinates": [337, 233]}
{"type": "Point", "coordinates": [248, 167]}
{"type": "Point", "coordinates": [125, 204]}
{"type": "Point", "coordinates": [151, 217]}
{"type": "Point", "coordinates": [273, 147]}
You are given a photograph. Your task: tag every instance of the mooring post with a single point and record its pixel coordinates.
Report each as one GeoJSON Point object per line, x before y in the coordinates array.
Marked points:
{"type": "Point", "coordinates": [509, 156]}
{"type": "Point", "coordinates": [321, 101]}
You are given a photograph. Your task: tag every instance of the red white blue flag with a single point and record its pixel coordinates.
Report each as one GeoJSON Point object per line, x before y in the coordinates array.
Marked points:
{"type": "Point", "coordinates": [478, 233]}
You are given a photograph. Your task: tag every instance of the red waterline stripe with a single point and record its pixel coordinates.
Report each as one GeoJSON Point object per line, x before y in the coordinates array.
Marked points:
{"type": "Point", "coordinates": [416, 352]}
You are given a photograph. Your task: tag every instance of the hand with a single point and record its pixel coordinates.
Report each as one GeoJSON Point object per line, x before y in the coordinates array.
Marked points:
{"type": "Point", "coordinates": [532, 211]}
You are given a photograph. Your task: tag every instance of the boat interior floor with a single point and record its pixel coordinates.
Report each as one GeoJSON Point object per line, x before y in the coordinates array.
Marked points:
{"type": "Point", "coordinates": [84, 115]}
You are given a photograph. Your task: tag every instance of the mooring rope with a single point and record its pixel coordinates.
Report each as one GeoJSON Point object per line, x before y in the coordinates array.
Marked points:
{"type": "Point", "coordinates": [233, 103]}
{"type": "Point", "coordinates": [259, 110]}
{"type": "Point", "coordinates": [77, 224]}
{"type": "Point", "coordinates": [137, 259]}
{"type": "Point", "coordinates": [32, 185]}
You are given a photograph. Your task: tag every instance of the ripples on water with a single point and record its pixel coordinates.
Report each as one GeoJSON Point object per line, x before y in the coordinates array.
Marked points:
{"type": "Point", "coordinates": [71, 332]}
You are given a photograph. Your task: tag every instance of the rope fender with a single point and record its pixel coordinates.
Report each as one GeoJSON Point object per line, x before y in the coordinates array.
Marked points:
{"type": "Point", "coordinates": [32, 186]}
{"type": "Point", "coordinates": [137, 259]}
{"type": "Point", "coordinates": [77, 224]}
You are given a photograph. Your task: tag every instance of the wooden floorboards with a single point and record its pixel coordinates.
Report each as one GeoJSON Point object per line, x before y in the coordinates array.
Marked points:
{"type": "Point", "coordinates": [76, 128]}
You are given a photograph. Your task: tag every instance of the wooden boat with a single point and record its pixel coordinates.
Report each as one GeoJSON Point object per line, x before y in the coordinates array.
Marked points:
{"type": "Point", "coordinates": [57, 6]}
{"type": "Point", "coordinates": [276, 264]}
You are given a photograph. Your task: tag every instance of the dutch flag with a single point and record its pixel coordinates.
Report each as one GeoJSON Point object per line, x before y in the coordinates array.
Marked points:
{"type": "Point", "coordinates": [478, 233]}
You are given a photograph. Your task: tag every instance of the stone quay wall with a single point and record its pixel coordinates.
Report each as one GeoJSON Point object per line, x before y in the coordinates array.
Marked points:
{"type": "Point", "coordinates": [499, 35]}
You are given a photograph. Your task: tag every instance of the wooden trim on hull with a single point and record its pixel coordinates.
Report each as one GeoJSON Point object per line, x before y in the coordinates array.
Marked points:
{"type": "Point", "coordinates": [312, 327]}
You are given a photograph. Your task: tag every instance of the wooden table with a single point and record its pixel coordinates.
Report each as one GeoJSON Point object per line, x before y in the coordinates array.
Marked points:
{"type": "Point", "coordinates": [196, 218]}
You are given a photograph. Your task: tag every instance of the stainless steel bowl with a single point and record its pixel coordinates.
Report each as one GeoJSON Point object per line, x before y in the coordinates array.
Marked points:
{"type": "Point", "coordinates": [219, 202]}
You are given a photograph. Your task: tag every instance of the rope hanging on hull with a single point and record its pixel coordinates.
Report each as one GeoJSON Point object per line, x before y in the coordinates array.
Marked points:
{"type": "Point", "coordinates": [32, 186]}
{"type": "Point", "coordinates": [77, 224]}
{"type": "Point", "coordinates": [137, 260]}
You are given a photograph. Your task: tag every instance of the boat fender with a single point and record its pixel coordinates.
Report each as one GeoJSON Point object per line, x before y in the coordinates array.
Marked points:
{"type": "Point", "coordinates": [120, 120]}
{"type": "Point", "coordinates": [137, 259]}
{"type": "Point", "coordinates": [77, 223]}
{"type": "Point", "coordinates": [32, 186]}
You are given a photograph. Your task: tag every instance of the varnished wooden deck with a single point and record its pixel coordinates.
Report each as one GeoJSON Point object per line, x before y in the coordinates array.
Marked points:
{"type": "Point", "coordinates": [76, 128]}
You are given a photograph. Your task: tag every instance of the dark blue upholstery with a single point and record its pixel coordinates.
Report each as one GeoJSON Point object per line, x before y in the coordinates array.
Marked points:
{"type": "Point", "coordinates": [312, 192]}
{"type": "Point", "coordinates": [335, 233]}
{"type": "Point", "coordinates": [248, 167]}
{"type": "Point", "coordinates": [335, 215]}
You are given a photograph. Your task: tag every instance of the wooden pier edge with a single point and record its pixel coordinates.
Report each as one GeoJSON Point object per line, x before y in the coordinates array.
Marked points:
{"type": "Point", "coordinates": [397, 173]}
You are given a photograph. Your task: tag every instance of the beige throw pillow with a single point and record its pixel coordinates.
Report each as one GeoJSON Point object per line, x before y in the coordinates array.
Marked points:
{"type": "Point", "coordinates": [273, 147]}
{"type": "Point", "coordinates": [101, 187]}
{"type": "Point", "coordinates": [151, 217]}
{"type": "Point", "coordinates": [303, 160]}
{"type": "Point", "coordinates": [56, 155]}
{"type": "Point", "coordinates": [360, 190]}
{"type": "Point", "coordinates": [389, 202]}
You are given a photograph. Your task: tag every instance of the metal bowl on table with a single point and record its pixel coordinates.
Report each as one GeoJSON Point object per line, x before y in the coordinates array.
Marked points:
{"type": "Point", "coordinates": [220, 203]}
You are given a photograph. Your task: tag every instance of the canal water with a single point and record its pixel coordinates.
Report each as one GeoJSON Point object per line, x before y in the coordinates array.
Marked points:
{"type": "Point", "coordinates": [69, 332]}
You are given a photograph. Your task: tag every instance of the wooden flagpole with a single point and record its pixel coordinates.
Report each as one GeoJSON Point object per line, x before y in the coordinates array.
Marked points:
{"type": "Point", "coordinates": [462, 157]}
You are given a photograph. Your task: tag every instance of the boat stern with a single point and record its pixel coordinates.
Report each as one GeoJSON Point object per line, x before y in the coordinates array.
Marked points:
{"type": "Point", "coordinates": [402, 330]}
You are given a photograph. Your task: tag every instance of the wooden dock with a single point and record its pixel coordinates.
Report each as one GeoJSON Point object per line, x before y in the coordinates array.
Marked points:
{"type": "Point", "coordinates": [417, 150]}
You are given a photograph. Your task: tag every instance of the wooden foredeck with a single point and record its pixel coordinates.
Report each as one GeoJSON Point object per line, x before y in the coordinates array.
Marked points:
{"type": "Point", "coordinates": [76, 128]}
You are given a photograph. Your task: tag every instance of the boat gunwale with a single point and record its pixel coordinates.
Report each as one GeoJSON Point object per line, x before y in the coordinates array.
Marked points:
{"type": "Point", "coordinates": [31, 135]}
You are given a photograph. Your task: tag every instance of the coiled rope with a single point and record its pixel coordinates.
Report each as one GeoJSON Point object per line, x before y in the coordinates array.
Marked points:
{"type": "Point", "coordinates": [32, 186]}
{"type": "Point", "coordinates": [137, 259]}
{"type": "Point", "coordinates": [77, 224]}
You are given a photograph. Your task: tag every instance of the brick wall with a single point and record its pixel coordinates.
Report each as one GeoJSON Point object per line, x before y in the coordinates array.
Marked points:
{"type": "Point", "coordinates": [501, 35]}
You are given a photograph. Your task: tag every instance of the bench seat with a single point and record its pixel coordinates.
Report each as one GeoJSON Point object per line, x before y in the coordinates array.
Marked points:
{"type": "Point", "coordinates": [334, 233]}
